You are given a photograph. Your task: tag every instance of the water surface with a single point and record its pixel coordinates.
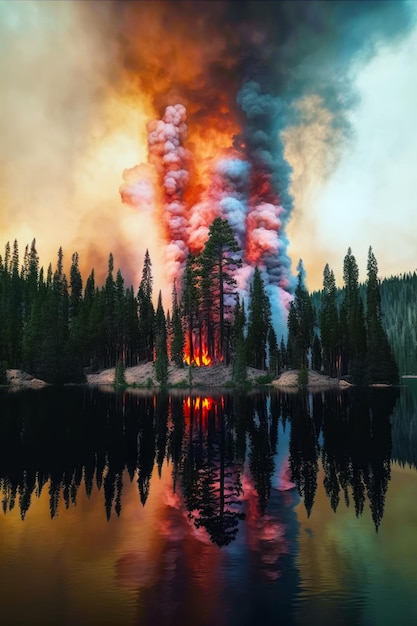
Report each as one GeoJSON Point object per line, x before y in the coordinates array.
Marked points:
{"type": "Point", "coordinates": [142, 508]}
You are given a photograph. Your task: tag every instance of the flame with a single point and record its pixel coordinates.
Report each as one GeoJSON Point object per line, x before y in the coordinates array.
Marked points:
{"type": "Point", "coordinates": [199, 360]}
{"type": "Point", "coordinates": [201, 356]}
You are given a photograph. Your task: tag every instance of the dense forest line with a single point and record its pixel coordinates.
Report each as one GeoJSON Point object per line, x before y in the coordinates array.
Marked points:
{"type": "Point", "coordinates": [58, 329]}
{"type": "Point", "coordinates": [399, 316]}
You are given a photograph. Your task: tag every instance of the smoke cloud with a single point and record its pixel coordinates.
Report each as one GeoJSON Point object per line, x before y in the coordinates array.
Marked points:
{"type": "Point", "coordinates": [238, 92]}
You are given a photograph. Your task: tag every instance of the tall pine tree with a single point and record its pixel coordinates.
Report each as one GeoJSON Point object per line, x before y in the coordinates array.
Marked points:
{"type": "Point", "coordinates": [161, 360]}
{"type": "Point", "coordinates": [146, 312]}
{"type": "Point", "coordinates": [259, 320]}
{"type": "Point", "coordinates": [329, 325]}
{"type": "Point", "coordinates": [219, 260]}
{"type": "Point", "coordinates": [381, 365]}
{"type": "Point", "coordinates": [353, 316]}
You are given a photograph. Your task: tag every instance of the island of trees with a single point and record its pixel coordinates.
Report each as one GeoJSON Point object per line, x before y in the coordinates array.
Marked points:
{"type": "Point", "coordinates": [57, 328]}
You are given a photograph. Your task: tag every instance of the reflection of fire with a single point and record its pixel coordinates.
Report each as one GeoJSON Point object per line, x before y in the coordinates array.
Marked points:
{"type": "Point", "coordinates": [199, 406]}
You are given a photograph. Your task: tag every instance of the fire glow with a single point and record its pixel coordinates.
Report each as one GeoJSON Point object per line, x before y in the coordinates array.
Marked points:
{"type": "Point", "coordinates": [186, 194]}
{"type": "Point", "coordinates": [199, 407]}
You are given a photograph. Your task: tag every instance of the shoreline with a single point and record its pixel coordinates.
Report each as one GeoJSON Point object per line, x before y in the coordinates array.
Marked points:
{"type": "Point", "coordinates": [188, 377]}
{"type": "Point", "coordinates": [217, 376]}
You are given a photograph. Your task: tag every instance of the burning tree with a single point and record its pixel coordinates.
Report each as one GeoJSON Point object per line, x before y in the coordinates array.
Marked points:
{"type": "Point", "coordinates": [209, 288]}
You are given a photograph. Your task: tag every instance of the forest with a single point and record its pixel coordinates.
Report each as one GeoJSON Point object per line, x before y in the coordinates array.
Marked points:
{"type": "Point", "coordinates": [58, 329]}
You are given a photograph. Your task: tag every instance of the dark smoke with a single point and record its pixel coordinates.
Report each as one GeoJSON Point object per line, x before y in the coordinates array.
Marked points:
{"type": "Point", "coordinates": [290, 50]}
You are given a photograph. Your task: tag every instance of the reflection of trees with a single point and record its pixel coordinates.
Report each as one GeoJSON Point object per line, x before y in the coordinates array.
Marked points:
{"type": "Point", "coordinates": [211, 479]}
{"type": "Point", "coordinates": [303, 449]}
{"type": "Point", "coordinates": [261, 454]}
{"type": "Point", "coordinates": [357, 448]}
{"type": "Point", "coordinates": [146, 450]}
{"type": "Point", "coordinates": [62, 440]}
{"type": "Point", "coordinates": [404, 426]}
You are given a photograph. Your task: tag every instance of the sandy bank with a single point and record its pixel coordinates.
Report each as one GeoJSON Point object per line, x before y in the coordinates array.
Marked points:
{"type": "Point", "coordinates": [143, 375]}
{"type": "Point", "coordinates": [213, 376]}
{"type": "Point", "coordinates": [18, 378]}
{"type": "Point", "coordinates": [289, 379]}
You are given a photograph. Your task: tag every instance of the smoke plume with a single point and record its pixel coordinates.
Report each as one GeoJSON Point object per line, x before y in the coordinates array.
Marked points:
{"type": "Point", "coordinates": [229, 85]}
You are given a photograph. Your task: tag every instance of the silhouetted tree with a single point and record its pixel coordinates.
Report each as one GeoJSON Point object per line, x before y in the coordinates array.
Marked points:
{"type": "Point", "coordinates": [259, 320]}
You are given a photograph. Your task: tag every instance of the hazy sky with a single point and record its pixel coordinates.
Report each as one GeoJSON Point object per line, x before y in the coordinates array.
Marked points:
{"type": "Point", "coordinates": [80, 81]}
{"type": "Point", "coordinates": [368, 198]}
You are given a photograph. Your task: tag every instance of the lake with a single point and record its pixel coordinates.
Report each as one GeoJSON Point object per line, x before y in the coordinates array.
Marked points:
{"type": "Point", "coordinates": [221, 508]}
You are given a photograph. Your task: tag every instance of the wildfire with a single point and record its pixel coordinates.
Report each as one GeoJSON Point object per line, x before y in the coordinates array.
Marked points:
{"type": "Point", "coordinates": [199, 360]}
{"type": "Point", "coordinates": [198, 354]}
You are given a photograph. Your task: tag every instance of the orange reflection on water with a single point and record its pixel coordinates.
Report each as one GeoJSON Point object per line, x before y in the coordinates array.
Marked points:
{"type": "Point", "coordinates": [199, 407]}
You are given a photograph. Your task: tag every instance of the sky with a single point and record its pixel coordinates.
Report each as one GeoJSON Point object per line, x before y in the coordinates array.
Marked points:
{"type": "Point", "coordinates": [294, 120]}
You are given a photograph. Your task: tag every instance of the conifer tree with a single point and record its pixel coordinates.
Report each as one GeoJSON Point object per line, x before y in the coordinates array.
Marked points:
{"type": "Point", "coordinates": [132, 328]}
{"type": "Point", "coordinates": [329, 324]}
{"type": "Point", "coordinates": [109, 303]}
{"type": "Point", "coordinates": [146, 312]}
{"type": "Point", "coordinates": [14, 312]}
{"type": "Point", "coordinates": [259, 320]}
{"type": "Point", "coordinates": [120, 319]}
{"type": "Point", "coordinates": [239, 347]}
{"type": "Point", "coordinates": [50, 362]}
{"type": "Point", "coordinates": [190, 301]}
{"type": "Point", "coordinates": [300, 323]}
{"type": "Point", "coordinates": [161, 361]}
{"type": "Point", "coordinates": [292, 351]}
{"type": "Point", "coordinates": [76, 286]}
{"type": "Point", "coordinates": [177, 342]}
{"type": "Point", "coordinates": [283, 355]}
{"type": "Point", "coordinates": [316, 357]}
{"type": "Point", "coordinates": [355, 321]}
{"type": "Point", "coordinates": [273, 353]}
{"type": "Point", "coordinates": [381, 363]}
{"type": "Point", "coordinates": [219, 260]}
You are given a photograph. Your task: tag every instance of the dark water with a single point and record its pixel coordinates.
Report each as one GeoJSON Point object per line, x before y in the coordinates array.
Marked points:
{"type": "Point", "coordinates": [225, 509]}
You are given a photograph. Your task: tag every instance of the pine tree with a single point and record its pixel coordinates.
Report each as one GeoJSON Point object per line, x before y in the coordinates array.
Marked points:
{"type": "Point", "coordinates": [381, 363]}
{"type": "Point", "coordinates": [355, 321]}
{"type": "Point", "coordinates": [283, 355]}
{"type": "Point", "coordinates": [316, 358]}
{"type": "Point", "coordinates": [177, 342]}
{"type": "Point", "coordinates": [273, 353]}
{"type": "Point", "coordinates": [300, 323]}
{"type": "Point", "coordinates": [219, 260]}
{"type": "Point", "coordinates": [132, 328]}
{"type": "Point", "coordinates": [119, 375]}
{"type": "Point", "coordinates": [259, 320]}
{"type": "Point", "coordinates": [146, 312]}
{"type": "Point", "coordinates": [329, 324]}
{"type": "Point", "coordinates": [190, 302]}
{"type": "Point", "coordinates": [14, 312]}
{"type": "Point", "coordinates": [109, 321]}
{"type": "Point", "coordinates": [161, 361]}
{"type": "Point", "coordinates": [76, 286]}
{"type": "Point", "coordinates": [239, 347]}
{"type": "Point", "coordinates": [51, 360]}
{"type": "Point", "coordinates": [292, 350]}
